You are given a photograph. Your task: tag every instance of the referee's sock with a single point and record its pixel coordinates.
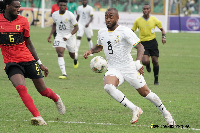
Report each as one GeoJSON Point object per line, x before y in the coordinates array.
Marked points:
{"type": "Point", "coordinates": [27, 100]}
{"type": "Point", "coordinates": [156, 71]}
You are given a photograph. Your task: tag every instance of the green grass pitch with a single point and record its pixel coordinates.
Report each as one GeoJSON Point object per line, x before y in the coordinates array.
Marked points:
{"type": "Point", "coordinates": [90, 108]}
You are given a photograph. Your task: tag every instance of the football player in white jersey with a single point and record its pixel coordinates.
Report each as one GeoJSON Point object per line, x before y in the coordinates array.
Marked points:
{"type": "Point", "coordinates": [117, 42]}
{"type": "Point", "coordinates": [84, 18]}
{"type": "Point", "coordinates": [66, 26]}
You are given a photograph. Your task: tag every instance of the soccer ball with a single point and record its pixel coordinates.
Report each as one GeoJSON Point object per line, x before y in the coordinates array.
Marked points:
{"type": "Point", "coordinates": [98, 64]}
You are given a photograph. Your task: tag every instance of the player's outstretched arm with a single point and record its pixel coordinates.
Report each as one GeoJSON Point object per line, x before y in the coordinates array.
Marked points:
{"type": "Point", "coordinates": [53, 28]}
{"type": "Point", "coordinates": [95, 49]}
{"type": "Point", "coordinates": [31, 48]}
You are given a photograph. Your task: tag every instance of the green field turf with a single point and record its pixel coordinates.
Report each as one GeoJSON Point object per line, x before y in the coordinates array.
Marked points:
{"type": "Point", "coordinates": [90, 108]}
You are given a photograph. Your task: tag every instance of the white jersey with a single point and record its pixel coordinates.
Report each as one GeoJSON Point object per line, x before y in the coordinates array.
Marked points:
{"type": "Point", "coordinates": [117, 46]}
{"type": "Point", "coordinates": [64, 23]}
{"type": "Point", "coordinates": [84, 14]}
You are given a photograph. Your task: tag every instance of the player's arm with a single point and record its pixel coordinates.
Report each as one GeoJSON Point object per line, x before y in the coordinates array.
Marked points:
{"type": "Point", "coordinates": [91, 19]}
{"type": "Point", "coordinates": [77, 18]}
{"type": "Point", "coordinates": [140, 52]}
{"type": "Point", "coordinates": [31, 48]}
{"type": "Point", "coordinates": [66, 37]}
{"type": "Point", "coordinates": [97, 48]}
{"type": "Point", "coordinates": [53, 28]}
{"type": "Point", "coordinates": [163, 36]}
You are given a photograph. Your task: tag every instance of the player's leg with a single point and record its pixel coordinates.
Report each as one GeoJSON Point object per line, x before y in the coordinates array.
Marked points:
{"type": "Point", "coordinates": [155, 69]}
{"type": "Point", "coordinates": [153, 98]}
{"type": "Point", "coordinates": [61, 62]}
{"type": "Point", "coordinates": [145, 58]}
{"type": "Point", "coordinates": [89, 34]}
{"type": "Point", "coordinates": [16, 76]}
{"type": "Point", "coordinates": [80, 33]}
{"type": "Point", "coordinates": [33, 72]}
{"type": "Point", "coordinates": [70, 45]}
{"type": "Point", "coordinates": [154, 53]}
{"type": "Point", "coordinates": [112, 79]}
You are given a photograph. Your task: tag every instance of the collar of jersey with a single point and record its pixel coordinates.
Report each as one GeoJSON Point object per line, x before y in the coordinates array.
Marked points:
{"type": "Point", "coordinates": [146, 19]}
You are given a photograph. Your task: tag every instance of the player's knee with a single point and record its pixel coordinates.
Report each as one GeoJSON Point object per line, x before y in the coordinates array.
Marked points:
{"type": "Point", "coordinates": [109, 88]}
{"type": "Point", "coordinates": [21, 89]}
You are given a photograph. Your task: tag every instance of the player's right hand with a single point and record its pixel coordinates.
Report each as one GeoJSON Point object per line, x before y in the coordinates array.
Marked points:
{"type": "Point", "coordinates": [49, 39]}
{"type": "Point", "coordinates": [45, 69]}
{"type": "Point", "coordinates": [86, 54]}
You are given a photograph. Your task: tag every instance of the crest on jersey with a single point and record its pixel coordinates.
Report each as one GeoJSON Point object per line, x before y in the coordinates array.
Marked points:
{"type": "Point", "coordinates": [1, 27]}
{"type": "Point", "coordinates": [65, 20]}
{"type": "Point", "coordinates": [117, 39]}
{"type": "Point", "coordinates": [18, 27]}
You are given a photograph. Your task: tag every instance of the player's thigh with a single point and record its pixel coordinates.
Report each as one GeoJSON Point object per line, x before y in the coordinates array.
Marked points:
{"type": "Point", "coordinates": [59, 42]}
{"type": "Point", "coordinates": [113, 76]}
{"type": "Point", "coordinates": [88, 32]}
{"type": "Point", "coordinates": [71, 44]}
{"type": "Point", "coordinates": [135, 79]}
{"type": "Point", "coordinates": [16, 75]}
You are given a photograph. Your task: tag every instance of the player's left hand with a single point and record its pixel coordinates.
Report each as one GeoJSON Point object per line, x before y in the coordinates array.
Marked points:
{"type": "Point", "coordinates": [163, 41]}
{"type": "Point", "coordinates": [139, 67]}
{"type": "Point", "coordinates": [45, 69]}
{"type": "Point", "coordinates": [141, 70]}
{"type": "Point", "coordinates": [86, 54]}
{"type": "Point", "coordinates": [86, 25]}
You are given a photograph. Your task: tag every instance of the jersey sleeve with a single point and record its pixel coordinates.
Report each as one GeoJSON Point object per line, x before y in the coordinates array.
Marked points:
{"type": "Point", "coordinates": [78, 11]}
{"type": "Point", "coordinates": [26, 28]}
{"type": "Point", "coordinates": [99, 39]}
{"type": "Point", "coordinates": [53, 17]}
{"type": "Point", "coordinates": [135, 26]}
{"type": "Point", "coordinates": [73, 19]}
{"type": "Point", "coordinates": [131, 37]}
{"type": "Point", "coordinates": [52, 9]}
{"type": "Point", "coordinates": [91, 11]}
{"type": "Point", "coordinates": [158, 23]}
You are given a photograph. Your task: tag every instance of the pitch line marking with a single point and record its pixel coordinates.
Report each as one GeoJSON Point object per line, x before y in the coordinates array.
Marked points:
{"type": "Point", "coordinates": [74, 122]}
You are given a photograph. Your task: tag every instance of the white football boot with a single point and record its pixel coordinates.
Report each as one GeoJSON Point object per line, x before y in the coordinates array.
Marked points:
{"type": "Point", "coordinates": [136, 113]}
{"type": "Point", "coordinates": [38, 121]}
{"type": "Point", "coordinates": [168, 117]}
{"type": "Point", "coordinates": [60, 105]}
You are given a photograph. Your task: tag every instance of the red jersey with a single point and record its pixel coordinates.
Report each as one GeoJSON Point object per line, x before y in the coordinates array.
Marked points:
{"type": "Point", "coordinates": [12, 42]}
{"type": "Point", "coordinates": [55, 7]}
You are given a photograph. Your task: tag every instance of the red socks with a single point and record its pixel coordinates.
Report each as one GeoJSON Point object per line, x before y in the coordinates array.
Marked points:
{"type": "Point", "coordinates": [50, 94]}
{"type": "Point", "coordinates": [27, 100]}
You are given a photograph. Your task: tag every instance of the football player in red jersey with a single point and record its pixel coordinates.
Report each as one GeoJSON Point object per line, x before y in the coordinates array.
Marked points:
{"type": "Point", "coordinates": [21, 59]}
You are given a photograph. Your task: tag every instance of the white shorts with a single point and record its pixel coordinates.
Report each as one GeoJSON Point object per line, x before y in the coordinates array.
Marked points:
{"type": "Point", "coordinates": [69, 44]}
{"type": "Point", "coordinates": [134, 79]}
{"type": "Point", "coordinates": [82, 29]}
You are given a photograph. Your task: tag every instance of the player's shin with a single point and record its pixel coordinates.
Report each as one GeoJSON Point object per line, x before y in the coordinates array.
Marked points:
{"type": "Point", "coordinates": [61, 63]}
{"type": "Point", "coordinates": [118, 96]}
{"type": "Point", "coordinates": [153, 98]}
{"type": "Point", "coordinates": [27, 100]}
{"type": "Point", "coordinates": [50, 94]}
{"type": "Point", "coordinates": [78, 42]}
{"type": "Point", "coordinates": [90, 44]}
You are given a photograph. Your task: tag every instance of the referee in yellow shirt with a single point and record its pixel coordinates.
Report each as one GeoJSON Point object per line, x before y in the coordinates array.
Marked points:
{"type": "Point", "coordinates": [146, 25]}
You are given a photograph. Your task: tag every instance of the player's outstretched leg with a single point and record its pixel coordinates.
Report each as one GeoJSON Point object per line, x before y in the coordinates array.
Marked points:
{"type": "Point", "coordinates": [153, 98]}
{"type": "Point", "coordinates": [120, 97]}
{"type": "Point", "coordinates": [56, 98]}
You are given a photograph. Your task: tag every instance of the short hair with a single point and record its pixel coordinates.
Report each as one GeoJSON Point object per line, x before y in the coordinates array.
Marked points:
{"type": "Point", "coordinates": [146, 4]}
{"type": "Point", "coordinates": [62, 1]}
{"type": "Point", "coordinates": [3, 4]}
{"type": "Point", "coordinates": [112, 8]}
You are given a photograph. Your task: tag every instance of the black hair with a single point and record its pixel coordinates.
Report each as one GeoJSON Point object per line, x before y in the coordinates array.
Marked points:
{"type": "Point", "coordinates": [63, 1]}
{"type": "Point", "coordinates": [3, 4]}
{"type": "Point", "coordinates": [112, 8]}
{"type": "Point", "coordinates": [146, 4]}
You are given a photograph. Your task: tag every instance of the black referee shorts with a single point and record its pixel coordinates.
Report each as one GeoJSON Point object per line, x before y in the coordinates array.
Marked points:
{"type": "Point", "coordinates": [27, 69]}
{"type": "Point", "coordinates": [151, 47]}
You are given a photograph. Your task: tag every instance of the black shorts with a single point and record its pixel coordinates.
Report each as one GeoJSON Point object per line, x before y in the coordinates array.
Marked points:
{"type": "Point", "coordinates": [27, 69]}
{"type": "Point", "coordinates": [151, 47]}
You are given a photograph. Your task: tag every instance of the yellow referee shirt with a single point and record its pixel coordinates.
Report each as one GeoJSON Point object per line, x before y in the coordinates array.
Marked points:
{"type": "Point", "coordinates": [146, 27]}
